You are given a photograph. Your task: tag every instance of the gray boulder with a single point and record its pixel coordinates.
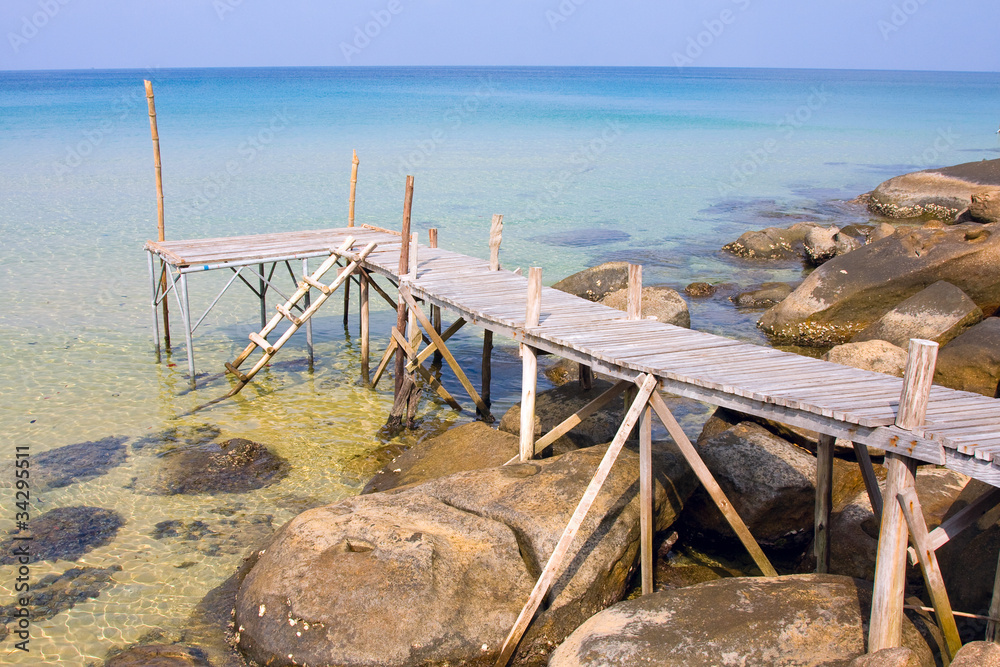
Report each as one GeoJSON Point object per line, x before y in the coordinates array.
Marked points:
{"type": "Point", "coordinates": [978, 654]}
{"type": "Point", "coordinates": [659, 302]}
{"type": "Point", "coordinates": [971, 362]}
{"type": "Point", "coordinates": [941, 193]}
{"type": "Point", "coordinates": [985, 206]}
{"type": "Point", "coordinates": [888, 657]}
{"type": "Point", "coordinates": [596, 282]}
{"type": "Point", "coordinates": [437, 573]}
{"type": "Point", "coordinates": [969, 560]}
{"type": "Point", "coordinates": [871, 355]}
{"type": "Point", "coordinates": [850, 292]}
{"type": "Point", "coordinates": [880, 231]}
{"type": "Point", "coordinates": [771, 243]}
{"type": "Point", "coordinates": [939, 313]}
{"type": "Point", "coordinates": [799, 620]}
{"type": "Point", "coordinates": [553, 406]}
{"type": "Point", "coordinates": [766, 296]}
{"type": "Point", "coordinates": [821, 244]}
{"type": "Point", "coordinates": [467, 447]}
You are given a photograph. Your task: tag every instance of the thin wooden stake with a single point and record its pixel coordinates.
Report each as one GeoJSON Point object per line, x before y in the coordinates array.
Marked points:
{"type": "Point", "coordinates": [824, 502]}
{"type": "Point", "coordinates": [910, 506]}
{"type": "Point", "coordinates": [993, 627]}
{"type": "Point", "coordinates": [354, 189]}
{"type": "Point", "coordinates": [432, 240]}
{"type": "Point", "coordinates": [646, 499]}
{"type": "Point", "coordinates": [496, 236]}
{"type": "Point", "coordinates": [404, 268]}
{"type": "Point", "coordinates": [365, 333]}
{"type": "Point", "coordinates": [886, 626]}
{"type": "Point", "coordinates": [529, 366]}
{"type": "Point", "coordinates": [160, 227]}
{"type": "Point", "coordinates": [554, 564]}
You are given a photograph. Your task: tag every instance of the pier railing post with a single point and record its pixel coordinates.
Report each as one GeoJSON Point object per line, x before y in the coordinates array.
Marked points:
{"type": "Point", "coordinates": [529, 366]}
{"type": "Point", "coordinates": [824, 502]}
{"type": "Point", "coordinates": [432, 241]}
{"type": "Point", "coordinates": [496, 236]}
{"type": "Point", "coordinates": [634, 312]}
{"type": "Point", "coordinates": [890, 564]}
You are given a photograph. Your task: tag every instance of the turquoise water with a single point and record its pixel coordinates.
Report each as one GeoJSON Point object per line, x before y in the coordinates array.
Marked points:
{"type": "Point", "coordinates": [659, 166]}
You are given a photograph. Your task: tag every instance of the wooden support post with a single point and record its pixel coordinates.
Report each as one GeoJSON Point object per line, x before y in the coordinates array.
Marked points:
{"type": "Point", "coordinates": [910, 506]}
{"type": "Point", "coordinates": [496, 236]}
{"type": "Point", "coordinates": [432, 241]}
{"type": "Point", "coordinates": [404, 385]}
{"type": "Point", "coordinates": [871, 481]}
{"type": "Point", "coordinates": [711, 486]}
{"type": "Point", "coordinates": [635, 291]}
{"type": "Point", "coordinates": [885, 629]}
{"type": "Point", "coordinates": [262, 293]}
{"type": "Point", "coordinates": [188, 332]}
{"type": "Point", "coordinates": [160, 228]}
{"type": "Point", "coordinates": [529, 366]}
{"type": "Point", "coordinates": [350, 223]}
{"type": "Point", "coordinates": [154, 295]}
{"type": "Point", "coordinates": [992, 626]}
{"type": "Point", "coordinates": [365, 333]}
{"type": "Point", "coordinates": [646, 498]}
{"type": "Point", "coordinates": [586, 377]}
{"type": "Point", "coordinates": [309, 325]}
{"type": "Point", "coordinates": [554, 565]}
{"type": "Point", "coordinates": [824, 502]}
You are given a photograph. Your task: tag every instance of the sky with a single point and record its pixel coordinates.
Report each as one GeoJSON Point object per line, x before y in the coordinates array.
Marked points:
{"type": "Point", "coordinates": [958, 35]}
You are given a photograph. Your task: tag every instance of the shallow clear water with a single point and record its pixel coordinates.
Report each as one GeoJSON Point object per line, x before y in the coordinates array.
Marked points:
{"type": "Point", "coordinates": [658, 166]}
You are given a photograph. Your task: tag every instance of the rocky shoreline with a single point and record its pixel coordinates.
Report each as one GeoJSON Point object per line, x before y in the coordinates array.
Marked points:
{"type": "Point", "coordinates": [431, 564]}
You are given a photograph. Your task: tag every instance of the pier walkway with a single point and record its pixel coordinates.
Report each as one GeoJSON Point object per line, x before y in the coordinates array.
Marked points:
{"type": "Point", "coordinates": [959, 430]}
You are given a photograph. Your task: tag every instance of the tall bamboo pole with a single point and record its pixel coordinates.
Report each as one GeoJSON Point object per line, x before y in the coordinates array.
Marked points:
{"type": "Point", "coordinates": [160, 234]}
{"type": "Point", "coordinates": [350, 223]}
{"type": "Point", "coordinates": [405, 388]}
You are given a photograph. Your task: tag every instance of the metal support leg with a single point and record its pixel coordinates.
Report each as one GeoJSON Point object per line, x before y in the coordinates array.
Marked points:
{"type": "Point", "coordinates": [309, 323]}
{"type": "Point", "coordinates": [155, 295]}
{"type": "Point", "coordinates": [186, 316]}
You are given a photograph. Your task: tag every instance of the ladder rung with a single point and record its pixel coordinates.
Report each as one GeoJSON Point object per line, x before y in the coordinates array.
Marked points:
{"type": "Point", "coordinates": [284, 311]}
{"type": "Point", "coordinates": [306, 280]}
{"type": "Point", "coordinates": [235, 371]}
{"type": "Point", "coordinates": [261, 343]}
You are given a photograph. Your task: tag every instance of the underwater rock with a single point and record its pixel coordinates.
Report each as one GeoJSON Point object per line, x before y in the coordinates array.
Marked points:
{"type": "Point", "coordinates": [227, 536]}
{"type": "Point", "coordinates": [77, 463]}
{"type": "Point", "coordinates": [235, 466]}
{"type": "Point", "coordinates": [583, 238]}
{"type": "Point", "coordinates": [54, 594]}
{"type": "Point", "coordinates": [178, 436]}
{"type": "Point", "coordinates": [65, 533]}
{"type": "Point", "coordinates": [159, 655]}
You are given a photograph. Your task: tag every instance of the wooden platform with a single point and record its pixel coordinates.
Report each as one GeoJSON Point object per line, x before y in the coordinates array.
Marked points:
{"type": "Point", "coordinates": [962, 429]}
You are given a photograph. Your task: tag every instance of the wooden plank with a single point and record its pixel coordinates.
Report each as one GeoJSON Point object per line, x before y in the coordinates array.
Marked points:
{"type": "Point", "coordinates": [554, 565]}
{"type": "Point", "coordinates": [931, 570]}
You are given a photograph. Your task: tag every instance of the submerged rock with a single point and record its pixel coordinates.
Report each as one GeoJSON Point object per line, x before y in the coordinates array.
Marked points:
{"type": "Point", "coordinates": [159, 655]}
{"type": "Point", "coordinates": [177, 437]}
{"type": "Point", "coordinates": [659, 303]}
{"type": "Point", "coordinates": [437, 573]}
{"type": "Point", "coordinates": [64, 533]}
{"type": "Point", "coordinates": [850, 292]}
{"type": "Point", "coordinates": [555, 405]}
{"type": "Point", "coordinates": [53, 594]}
{"type": "Point", "coordinates": [596, 282]}
{"type": "Point", "coordinates": [941, 193]}
{"type": "Point", "coordinates": [235, 466]}
{"type": "Point", "coordinates": [766, 296]}
{"type": "Point", "coordinates": [77, 463]}
{"type": "Point", "coordinates": [700, 290]}
{"type": "Point", "coordinates": [938, 313]}
{"type": "Point", "coordinates": [771, 243]}
{"type": "Point", "coordinates": [971, 362]}
{"type": "Point", "coordinates": [467, 447]}
{"type": "Point", "coordinates": [799, 620]}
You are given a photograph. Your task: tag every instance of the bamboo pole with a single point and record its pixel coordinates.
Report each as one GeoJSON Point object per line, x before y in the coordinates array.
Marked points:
{"type": "Point", "coordinates": [529, 366]}
{"type": "Point", "coordinates": [554, 565]}
{"type": "Point", "coordinates": [824, 502]}
{"type": "Point", "coordinates": [160, 228]}
{"type": "Point", "coordinates": [885, 629]}
{"type": "Point", "coordinates": [404, 388]}
{"type": "Point", "coordinates": [646, 498]}
{"type": "Point", "coordinates": [354, 189]}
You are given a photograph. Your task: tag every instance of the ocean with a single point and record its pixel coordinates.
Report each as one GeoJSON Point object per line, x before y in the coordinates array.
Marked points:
{"type": "Point", "coordinates": [660, 166]}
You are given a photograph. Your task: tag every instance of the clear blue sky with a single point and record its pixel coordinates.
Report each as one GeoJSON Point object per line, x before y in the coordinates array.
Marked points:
{"type": "Point", "coordinates": [854, 34]}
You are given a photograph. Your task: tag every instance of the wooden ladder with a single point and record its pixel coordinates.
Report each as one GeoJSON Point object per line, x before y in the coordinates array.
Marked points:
{"type": "Point", "coordinates": [259, 340]}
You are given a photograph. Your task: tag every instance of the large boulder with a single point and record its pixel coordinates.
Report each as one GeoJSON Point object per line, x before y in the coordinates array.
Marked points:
{"type": "Point", "coordinates": [467, 447]}
{"type": "Point", "coordinates": [771, 243]}
{"type": "Point", "coordinates": [969, 560]}
{"type": "Point", "coordinates": [596, 282]}
{"type": "Point", "coordinates": [850, 292]}
{"type": "Point", "coordinates": [978, 654]}
{"type": "Point", "coordinates": [971, 361]}
{"type": "Point", "coordinates": [765, 296]}
{"type": "Point", "coordinates": [798, 620]}
{"type": "Point", "coordinates": [437, 573]}
{"type": "Point", "coordinates": [825, 243]}
{"type": "Point", "coordinates": [938, 313]}
{"type": "Point", "coordinates": [941, 193]}
{"type": "Point", "coordinates": [659, 302]}
{"type": "Point", "coordinates": [985, 206]}
{"type": "Point", "coordinates": [871, 355]}
{"type": "Point", "coordinates": [553, 406]}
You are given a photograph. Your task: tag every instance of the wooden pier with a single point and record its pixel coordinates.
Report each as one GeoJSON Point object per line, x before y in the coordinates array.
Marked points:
{"type": "Point", "coordinates": [914, 422]}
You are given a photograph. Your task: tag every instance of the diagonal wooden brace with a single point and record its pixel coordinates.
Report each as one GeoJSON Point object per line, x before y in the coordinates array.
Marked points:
{"type": "Point", "coordinates": [555, 562]}
{"type": "Point", "coordinates": [711, 486]}
{"type": "Point", "coordinates": [446, 353]}
{"type": "Point", "coordinates": [424, 373]}
{"type": "Point", "coordinates": [577, 417]}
